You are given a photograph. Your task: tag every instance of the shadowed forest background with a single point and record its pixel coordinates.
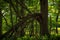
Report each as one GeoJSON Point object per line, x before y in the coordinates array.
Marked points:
{"type": "Point", "coordinates": [29, 19]}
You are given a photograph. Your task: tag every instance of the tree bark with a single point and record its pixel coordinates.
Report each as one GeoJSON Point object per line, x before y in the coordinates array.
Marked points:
{"type": "Point", "coordinates": [0, 22]}
{"type": "Point", "coordinates": [44, 12]}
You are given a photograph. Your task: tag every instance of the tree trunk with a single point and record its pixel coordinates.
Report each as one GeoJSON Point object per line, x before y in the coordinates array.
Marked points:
{"type": "Point", "coordinates": [0, 22]}
{"type": "Point", "coordinates": [57, 22]}
{"type": "Point", "coordinates": [50, 23]}
{"type": "Point", "coordinates": [44, 12]}
{"type": "Point", "coordinates": [57, 16]}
